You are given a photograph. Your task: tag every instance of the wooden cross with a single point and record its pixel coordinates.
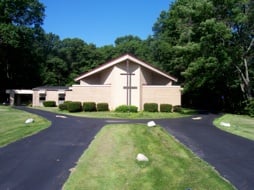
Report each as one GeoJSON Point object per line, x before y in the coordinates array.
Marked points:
{"type": "Point", "coordinates": [128, 86]}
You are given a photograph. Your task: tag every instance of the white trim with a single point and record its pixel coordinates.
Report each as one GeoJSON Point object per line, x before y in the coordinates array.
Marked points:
{"type": "Point", "coordinates": [61, 92]}
{"type": "Point", "coordinates": [21, 91]}
{"type": "Point", "coordinates": [121, 59]}
{"type": "Point", "coordinates": [97, 85]}
{"type": "Point", "coordinates": [42, 91]}
{"type": "Point", "coordinates": [161, 86]}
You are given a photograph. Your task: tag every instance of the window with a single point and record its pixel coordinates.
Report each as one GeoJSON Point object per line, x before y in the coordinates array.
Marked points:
{"type": "Point", "coordinates": [61, 98]}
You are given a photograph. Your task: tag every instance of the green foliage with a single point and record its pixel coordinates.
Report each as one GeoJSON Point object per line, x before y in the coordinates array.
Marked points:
{"type": "Point", "coordinates": [151, 107]}
{"type": "Point", "coordinates": [49, 104]}
{"type": "Point", "coordinates": [64, 106]}
{"type": "Point", "coordinates": [89, 106]}
{"type": "Point", "coordinates": [166, 108]}
{"type": "Point", "coordinates": [74, 107]}
{"type": "Point", "coordinates": [249, 109]}
{"type": "Point", "coordinates": [177, 109]}
{"type": "Point", "coordinates": [20, 32]}
{"type": "Point", "coordinates": [202, 45]}
{"type": "Point", "coordinates": [125, 109]}
{"type": "Point", "coordinates": [102, 107]}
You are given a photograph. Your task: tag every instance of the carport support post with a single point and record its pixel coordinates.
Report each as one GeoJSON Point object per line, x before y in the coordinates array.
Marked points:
{"type": "Point", "coordinates": [12, 97]}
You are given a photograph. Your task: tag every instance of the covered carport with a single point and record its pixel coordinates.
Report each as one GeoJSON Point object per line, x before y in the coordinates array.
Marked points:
{"type": "Point", "coordinates": [19, 96]}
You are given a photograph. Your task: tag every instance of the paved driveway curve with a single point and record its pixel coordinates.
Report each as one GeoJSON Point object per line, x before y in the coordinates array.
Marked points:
{"type": "Point", "coordinates": [43, 161]}
{"type": "Point", "coordinates": [231, 155]}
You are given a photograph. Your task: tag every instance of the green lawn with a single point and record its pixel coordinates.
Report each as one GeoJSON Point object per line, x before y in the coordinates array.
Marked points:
{"type": "Point", "coordinates": [110, 163]}
{"type": "Point", "coordinates": [112, 114]}
{"type": "Point", "coordinates": [239, 125]}
{"type": "Point", "coordinates": [13, 127]}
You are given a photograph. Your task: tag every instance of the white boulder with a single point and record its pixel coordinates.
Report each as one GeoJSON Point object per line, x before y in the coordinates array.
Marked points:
{"type": "Point", "coordinates": [196, 118]}
{"type": "Point", "coordinates": [142, 158]}
{"type": "Point", "coordinates": [29, 120]}
{"type": "Point", "coordinates": [61, 116]}
{"type": "Point", "coordinates": [151, 124]}
{"type": "Point", "coordinates": [224, 124]}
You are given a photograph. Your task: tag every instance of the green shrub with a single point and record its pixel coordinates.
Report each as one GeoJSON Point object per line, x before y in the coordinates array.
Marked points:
{"type": "Point", "coordinates": [89, 106]}
{"type": "Point", "coordinates": [249, 109]}
{"type": "Point", "coordinates": [102, 107]}
{"type": "Point", "coordinates": [125, 108]}
{"type": "Point", "coordinates": [64, 106]}
{"type": "Point", "coordinates": [74, 106]}
{"type": "Point", "coordinates": [166, 108]}
{"type": "Point", "coordinates": [49, 104]}
{"type": "Point", "coordinates": [177, 108]}
{"type": "Point", "coordinates": [151, 107]}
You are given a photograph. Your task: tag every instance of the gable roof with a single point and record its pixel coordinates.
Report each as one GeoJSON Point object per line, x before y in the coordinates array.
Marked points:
{"type": "Point", "coordinates": [121, 59]}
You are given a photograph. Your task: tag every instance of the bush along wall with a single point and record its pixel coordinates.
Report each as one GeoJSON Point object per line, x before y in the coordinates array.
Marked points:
{"type": "Point", "coordinates": [166, 108]}
{"type": "Point", "coordinates": [89, 106]}
{"type": "Point", "coordinates": [74, 107]}
{"type": "Point", "coordinates": [151, 107]}
{"type": "Point", "coordinates": [64, 106]}
{"type": "Point", "coordinates": [177, 108]}
{"type": "Point", "coordinates": [49, 104]}
{"type": "Point", "coordinates": [126, 109]}
{"type": "Point", "coordinates": [102, 107]}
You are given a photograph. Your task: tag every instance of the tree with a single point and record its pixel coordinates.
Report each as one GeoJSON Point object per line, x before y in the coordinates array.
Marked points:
{"type": "Point", "coordinates": [208, 44]}
{"type": "Point", "coordinates": [242, 26]}
{"type": "Point", "coordinates": [20, 27]}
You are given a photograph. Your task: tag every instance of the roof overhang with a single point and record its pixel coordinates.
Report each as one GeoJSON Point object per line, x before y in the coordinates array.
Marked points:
{"type": "Point", "coordinates": [122, 59]}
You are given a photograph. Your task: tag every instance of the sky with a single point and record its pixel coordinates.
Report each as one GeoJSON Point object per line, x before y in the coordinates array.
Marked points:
{"type": "Point", "coordinates": [101, 22]}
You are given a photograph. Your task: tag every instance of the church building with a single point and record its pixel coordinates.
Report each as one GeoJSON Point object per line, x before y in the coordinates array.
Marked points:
{"type": "Point", "coordinates": [125, 80]}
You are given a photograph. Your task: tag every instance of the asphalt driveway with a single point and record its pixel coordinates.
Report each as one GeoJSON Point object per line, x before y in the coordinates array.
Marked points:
{"type": "Point", "coordinates": [231, 155]}
{"type": "Point", "coordinates": [43, 161]}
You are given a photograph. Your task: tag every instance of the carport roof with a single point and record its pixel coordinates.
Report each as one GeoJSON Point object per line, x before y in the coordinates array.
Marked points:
{"type": "Point", "coordinates": [19, 91]}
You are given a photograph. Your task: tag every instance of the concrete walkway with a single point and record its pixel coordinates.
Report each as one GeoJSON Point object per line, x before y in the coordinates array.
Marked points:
{"type": "Point", "coordinates": [43, 161]}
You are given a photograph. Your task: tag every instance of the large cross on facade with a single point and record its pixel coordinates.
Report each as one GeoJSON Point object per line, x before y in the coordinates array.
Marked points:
{"type": "Point", "coordinates": [128, 86]}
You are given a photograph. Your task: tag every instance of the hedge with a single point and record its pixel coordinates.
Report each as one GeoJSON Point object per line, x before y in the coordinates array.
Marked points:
{"type": "Point", "coordinates": [151, 107]}
{"type": "Point", "coordinates": [177, 108]}
{"type": "Point", "coordinates": [74, 107]}
{"type": "Point", "coordinates": [49, 104]}
{"type": "Point", "coordinates": [102, 107]}
{"type": "Point", "coordinates": [125, 108]}
{"type": "Point", "coordinates": [89, 106]}
{"type": "Point", "coordinates": [166, 108]}
{"type": "Point", "coordinates": [64, 106]}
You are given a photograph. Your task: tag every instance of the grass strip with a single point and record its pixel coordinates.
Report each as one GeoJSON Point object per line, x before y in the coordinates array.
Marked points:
{"type": "Point", "coordinates": [240, 125]}
{"type": "Point", "coordinates": [13, 127]}
{"type": "Point", "coordinates": [109, 163]}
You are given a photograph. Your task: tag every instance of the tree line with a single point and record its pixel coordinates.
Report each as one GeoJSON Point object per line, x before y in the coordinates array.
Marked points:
{"type": "Point", "coordinates": [206, 44]}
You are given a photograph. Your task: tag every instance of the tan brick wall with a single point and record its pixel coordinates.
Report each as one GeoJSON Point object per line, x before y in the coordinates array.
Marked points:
{"type": "Point", "coordinates": [86, 93]}
{"type": "Point", "coordinates": [161, 95]}
{"type": "Point", "coordinates": [50, 96]}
